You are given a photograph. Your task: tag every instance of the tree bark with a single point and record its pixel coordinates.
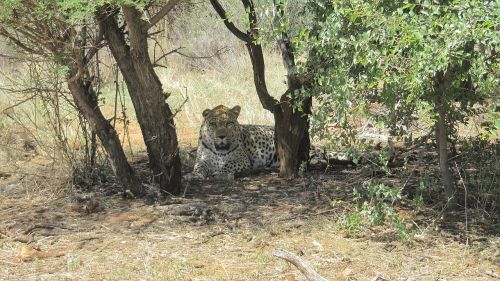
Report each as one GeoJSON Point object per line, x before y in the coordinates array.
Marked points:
{"type": "Point", "coordinates": [292, 137]}
{"type": "Point", "coordinates": [86, 102]}
{"type": "Point", "coordinates": [442, 142]}
{"type": "Point", "coordinates": [145, 89]}
{"type": "Point", "coordinates": [444, 87]}
{"type": "Point", "coordinates": [294, 141]}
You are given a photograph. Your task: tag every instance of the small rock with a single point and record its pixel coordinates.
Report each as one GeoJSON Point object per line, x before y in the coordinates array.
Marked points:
{"type": "Point", "coordinates": [272, 188]}
{"type": "Point", "coordinates": [252, 187]}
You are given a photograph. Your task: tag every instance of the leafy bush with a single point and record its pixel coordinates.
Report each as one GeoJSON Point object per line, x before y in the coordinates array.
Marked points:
{"type": "Point", "coordinates": [374, 205]}
{"type": "Point", "coordinates": [407, 56]}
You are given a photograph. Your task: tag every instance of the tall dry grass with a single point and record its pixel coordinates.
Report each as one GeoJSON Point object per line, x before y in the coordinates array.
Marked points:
{"type": "Point", "coordinates": [192, 90]}
{"type": "Point", "coordinates": [206, 83]}
{"type": "Point", "coordinates": [41, 133]}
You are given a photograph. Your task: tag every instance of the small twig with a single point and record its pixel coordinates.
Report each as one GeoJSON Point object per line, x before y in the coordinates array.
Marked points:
{"type": "Point", "coordinates": [176, 51]}
{"type": "Point", "coordinates": [27, 239]}
{"type": "Point", "coordinates": [301, 264]}
{"type": "Point", "coordinates": [45, 226]}
{"type": "Point", "coordinates": [161, 14]}
{"type": "Point", "coordinates": [408, 179]}
{"type": "Point", "coordinates": [103, 247]}
{"type": "Point", "coordinates": [9, 57]}
{"type": "Point", "coordinates": [218, 52]}
{"type": "Point", "coordinates": [186, 185]}
{"type": "Point", "coordinates": [35, 226]}
{"type": "Point", "coordinates": [210, 236]}
{"type": "Point", "coordinates": [18, 238]}
{"type": "Point", "coordinates": [179, 108]}
{"type": "Point", "coordinates": [82, 242]}
{"type": "Point", "coordinates": [17, 172]}
{"type": "Point", "coordinates": [5, 110]}
{"type": "Point", "coordinates": [492, 274]}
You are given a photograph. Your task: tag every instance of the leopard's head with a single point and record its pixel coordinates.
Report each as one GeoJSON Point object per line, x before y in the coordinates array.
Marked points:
{"type": "Point", "coordinates": [220, 129]}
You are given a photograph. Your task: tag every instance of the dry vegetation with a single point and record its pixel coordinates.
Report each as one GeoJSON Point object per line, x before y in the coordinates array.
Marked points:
{"type": "Point", "coordinates": [221, 231]}
{"type": "Point", "coordinates": [51, 228]}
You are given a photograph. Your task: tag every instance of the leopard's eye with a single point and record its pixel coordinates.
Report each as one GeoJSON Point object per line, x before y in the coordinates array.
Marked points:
{"type": "Point", "coordinates": [230, 123]}
{"type": "Point", "coordinates": [212, 123]}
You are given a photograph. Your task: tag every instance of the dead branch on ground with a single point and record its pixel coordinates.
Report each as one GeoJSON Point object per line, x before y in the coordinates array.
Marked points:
{"type": "Point", "coordinates": [301, 264]}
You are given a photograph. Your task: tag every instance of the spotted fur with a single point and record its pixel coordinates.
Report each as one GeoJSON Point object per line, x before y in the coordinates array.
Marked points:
{"type": "Point", "coordinates": [225, 147]}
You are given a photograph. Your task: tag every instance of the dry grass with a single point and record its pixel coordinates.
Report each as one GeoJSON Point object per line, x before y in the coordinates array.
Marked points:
{"type": "Point", "coordinates": [232, 85]}
{"type": "Point", "coordinates": [224, 232]}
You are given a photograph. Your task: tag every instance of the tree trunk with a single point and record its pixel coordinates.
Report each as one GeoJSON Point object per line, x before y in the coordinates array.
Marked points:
{"type": "Point", "coordinates": [86, 102]}
{"type": "Point", "coordinates": [442, 142]}
{"type": "Point", "coordinates": [153, 113]}
{"type": "Point", "coordinates": [292, 138]}
{"type": "Point", "coordinates": [292, 126]}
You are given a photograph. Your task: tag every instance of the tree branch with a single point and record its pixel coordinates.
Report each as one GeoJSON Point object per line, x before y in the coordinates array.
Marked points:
{"type": "Point", "coordinates": [176, 51]}
{"type": "Point", "coordinates": [223, 15]}
{"type": "Point", "coordinates": [162, 13]}
{"type": "Point", "coordinates": [97, 44]}
{"type": "Point", "coordinates": [286, 48]}
{"type": "Point", "coordinates": [7, 109]}
{"type": "Point", "coordinates": [254, 50]}
{"type": "Point", "coordinates": [19, 44]}
{"type": "Point", "coordinates": [252, 16]}
{"type": "Point", "coordinates": [302, 265]}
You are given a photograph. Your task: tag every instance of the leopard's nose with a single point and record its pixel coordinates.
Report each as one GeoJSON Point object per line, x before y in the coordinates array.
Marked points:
{"type": "Point", "coordinates": [221, 134]}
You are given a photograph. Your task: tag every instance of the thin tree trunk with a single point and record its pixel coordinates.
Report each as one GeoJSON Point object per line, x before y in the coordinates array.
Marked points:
{"type": "Point", "coordinates": [153, 113]}
{"type": "Point", "coordinates": [291, 126]}
{"type": "Point", "coordinates": [86, 102]}
{"type": "Point", "coordinates": [442, 141]}
{"type": "Point", "coordinates": [61, 42]}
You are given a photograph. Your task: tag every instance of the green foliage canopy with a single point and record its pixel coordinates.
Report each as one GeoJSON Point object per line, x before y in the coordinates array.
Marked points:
{"type": "Point", "coordinates": [74, 10]}
{"type": "Point", "coordinates": [404, 54]}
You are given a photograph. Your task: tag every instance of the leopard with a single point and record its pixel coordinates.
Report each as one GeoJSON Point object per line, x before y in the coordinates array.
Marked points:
{"type": "Point", "coordinates": [227, 148]}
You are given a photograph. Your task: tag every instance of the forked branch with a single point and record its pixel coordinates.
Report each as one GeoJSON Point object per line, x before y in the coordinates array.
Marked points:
{"type": "Point", "coordinates": [254, 50]}
{"type": "Point", "coordinates": [162, 13]}
{"type": "Point", "coordinates": [224, 16]}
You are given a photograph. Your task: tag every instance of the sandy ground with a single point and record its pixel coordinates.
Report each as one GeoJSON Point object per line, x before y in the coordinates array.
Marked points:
{"type": "Point", "coordinates": [227, 231]}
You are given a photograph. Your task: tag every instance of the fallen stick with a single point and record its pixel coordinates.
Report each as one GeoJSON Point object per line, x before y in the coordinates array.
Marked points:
{"type": "Point", "coordinates": [301, 264]}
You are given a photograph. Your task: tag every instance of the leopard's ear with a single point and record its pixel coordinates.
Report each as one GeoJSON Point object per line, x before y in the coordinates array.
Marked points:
{"type": "Point", "coordinates": [235, 111]}
{"type": "Point", "coordinates": [206, 112]}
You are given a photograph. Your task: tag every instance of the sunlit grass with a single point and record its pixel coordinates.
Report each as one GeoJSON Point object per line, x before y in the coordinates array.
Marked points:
{"type": "Point", "coordinates": [230, 86]}
{"type": "Point", "coordinates": [228, 82]}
